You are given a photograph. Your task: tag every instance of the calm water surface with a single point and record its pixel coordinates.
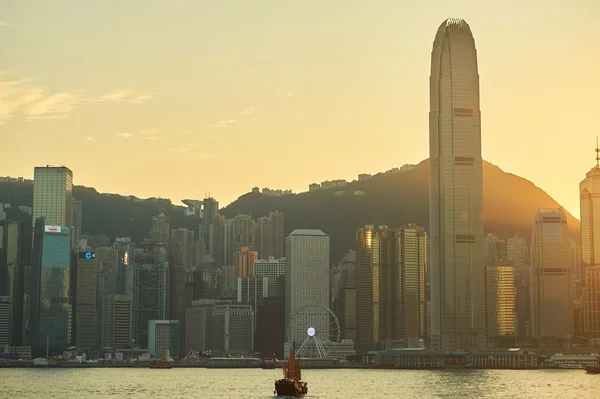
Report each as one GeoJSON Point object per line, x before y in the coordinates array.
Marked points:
{"type": "Point", "coordinates": [258, 383]}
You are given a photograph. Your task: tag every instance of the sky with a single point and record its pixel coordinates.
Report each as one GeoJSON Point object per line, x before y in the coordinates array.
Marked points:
{"type": "Point", "coordinates": [178, 99]}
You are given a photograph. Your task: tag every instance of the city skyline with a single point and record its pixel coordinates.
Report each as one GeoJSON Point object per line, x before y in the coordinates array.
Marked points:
{"type": "Point", "coordinates": [351, 80]}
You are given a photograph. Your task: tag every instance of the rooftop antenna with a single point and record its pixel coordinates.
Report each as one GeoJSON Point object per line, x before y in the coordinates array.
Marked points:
{"type": "Point", "coordinates": [597, 153]}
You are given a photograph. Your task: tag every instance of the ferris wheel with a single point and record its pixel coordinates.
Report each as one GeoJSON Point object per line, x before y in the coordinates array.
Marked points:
{"type": "Point", "coordinates": [317, 327]}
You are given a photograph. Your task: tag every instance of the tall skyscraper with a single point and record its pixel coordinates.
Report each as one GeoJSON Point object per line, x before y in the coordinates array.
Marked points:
{"type": "Point", "coordinates": [518, 253]}
{"type": "Point", "coordinates": [306, 277]}
{"type": "Point", "coordinates": [51, 303]}
{"type": "Point", "coordinates": [181, 259]}
{"type": "Point", "coordinates": [116, 321]}
{"type": "Point", "coordinates": [210, 209]}
{"type": "Point", "coordinates": [77, 210]}
{"type": "Point", "coordinates": [551, 275]}
{"type": "Point", "coordinates": [271, 268]}
{"type": "Point", "coordinates": [14, 250]}
{"type": "Point", "coordinates": [161, 230]}
{"type": "Point", "coordinates": [589, 200]}
{"type": "Point", "coordinates": [456, 191]}
{"type": "Point", "coordinates": [53, 195]}
{"type": "Point", "coordinates": [86, 303]}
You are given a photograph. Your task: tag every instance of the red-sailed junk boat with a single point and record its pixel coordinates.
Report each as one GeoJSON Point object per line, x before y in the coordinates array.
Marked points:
{"type": "Point", "coordinates": [291, 384]}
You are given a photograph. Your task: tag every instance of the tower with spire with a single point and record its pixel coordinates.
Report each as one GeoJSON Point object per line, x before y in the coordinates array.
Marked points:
{"type": "Point", "coordinates": [589, 202]}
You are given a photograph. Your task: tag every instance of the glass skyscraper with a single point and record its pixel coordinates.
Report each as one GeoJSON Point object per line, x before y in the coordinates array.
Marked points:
{"type": "Point", "coordinates": [51, 305]}
{"type": "Point", "coordinates": [456, 192]}
{"type": "Point", "coordinates": [53, 194]}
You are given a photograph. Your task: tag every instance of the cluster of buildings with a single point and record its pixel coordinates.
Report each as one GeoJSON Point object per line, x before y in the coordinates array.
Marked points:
{"type": "Point", "coordinates": [226, 287]}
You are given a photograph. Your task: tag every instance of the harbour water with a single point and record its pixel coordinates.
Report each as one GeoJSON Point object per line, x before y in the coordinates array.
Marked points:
{"type": "Point", "coordinates": [330, 384]}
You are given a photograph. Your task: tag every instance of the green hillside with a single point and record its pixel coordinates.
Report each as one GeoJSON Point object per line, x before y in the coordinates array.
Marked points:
{"type": "Point", "coordinates": [394, 199]}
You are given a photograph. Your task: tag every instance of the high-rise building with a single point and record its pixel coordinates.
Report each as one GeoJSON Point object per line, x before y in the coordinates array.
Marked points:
{"type": "Point", "coordinates": [5, 321]}
{"type": "Point", "coordinates": [53, 195]}
{"type": "Point", "coordinates": [244, 262]}
{"type": "Point", "coordinates": [410, 303]}
{"type": "Point", "coordinates": [51, 302]}
{"type": "Point", "coordinates": [589, 201]}
{"type": "Point", "coordinates": [306, 277]}
{"type": "Point", "coordinates": [233, 329]}
{"type": "Point", "coordinates": [500, 297]}
{"type": "Point", "coordinates": [242, 233]}
{"type": "Point", "coordinates": [14, 249]}
{"type": "Point", "coordinates": [147, 286]}
{"type": "Point", "coordinates": [210, 210]}
{"type": "Point", "coordinates": [252, 290]}
{"type": "Point", "coordinates": [181, 259]}
{"type": "Point", "coordinates": [346, 310]}
{"type": "Point", "coordinates": [198, 324]}
{"type": "Point", "coordinates": [455, 191]}
{"type": "Point", "coordinates": [86, 302]}
{"type": "Point", "coordinates": [218, 231]}
{"type": "Point", "coordinates": [551, 275]}
{"type": "Point", "coordinates": [517, 252]}
{"type": "Point", "coordinates": [77, 209]}
{"type": "Point", "coordinates": [116, 321]}
{"type": "Point", "coordinates": [269, 237]}
{"type": "Point", "coordinates": [205, 279]}
{"type": "Point", "coordinates": [271, 268]}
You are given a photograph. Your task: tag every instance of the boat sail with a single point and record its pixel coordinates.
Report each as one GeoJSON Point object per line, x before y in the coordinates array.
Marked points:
{"type": "Point", "coordinates": [291, 384]}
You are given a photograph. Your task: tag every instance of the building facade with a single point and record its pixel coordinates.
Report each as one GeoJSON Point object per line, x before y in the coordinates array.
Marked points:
{"type": "Point", "coordinates": [551, 275]}
{"type": "Point", "coordinates": [456, 192]}
{"type": "Point", "coordinates": [116, 322]}
{"type": "Point", "coordinates": [163, 335]}
{"type": "Point", "coordinates": [233, 329]}
{"type": "Point", "coordinates": [306, 277]}
{"type": "Point", "coordinates": [500, 295]}
{"type": "Point", "coordinates": [86, 303]}
{"type": "Point", "coordinates": [244, 262]}
{"type": "Point", "coordinates": [53, 195]}
{"type": "Point", "coordinates": [271, 268]}
{"type": "Point", "coordinates": [51, 313]}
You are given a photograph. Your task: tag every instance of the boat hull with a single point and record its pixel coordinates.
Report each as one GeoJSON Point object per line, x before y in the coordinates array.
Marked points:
{"type": "Point", "coordinates": [160, 366]}
{"type": "Point", "coordinates": [593, 370]}
{"type": "Point", "coordinates": [291, 388]}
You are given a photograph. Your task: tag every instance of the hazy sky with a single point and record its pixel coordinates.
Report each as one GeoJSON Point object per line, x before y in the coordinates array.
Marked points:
{"type": "Point", "coordinates": [178, 98]}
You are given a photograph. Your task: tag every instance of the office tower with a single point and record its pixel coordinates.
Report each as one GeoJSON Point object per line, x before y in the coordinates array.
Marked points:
{"type": "Point", "coordinates": [551, 273]}
{"type": "Point", "coordinates": [244, 262]}
{"type": "Point", "coordinates": [518, 252]}
{"type": "Point", "coordinates": [86, 302]}
{"type": "Point", "coordinates": [306, 277]}
{"type": "Point", "coordinates": [14, 253]}
{"type": "Point", "coordinates": [51, 303]}
{"type": "Point", "coordinates": [346, 311]}
{"type": "Point", "coordinates": [252, 290]}
{"type": "Point", "coordinates": [233, 329]}
{"type": "Point", "coordinates": [269, 237]}
{"type": "Point", "coordinates": [374, 252]}
{"type": "Point", "coordinates": [77, 209]}
{"type": "Point", "coordinates": [147, 285]}
{"type": "Point", "coordinates": [500, 297]}
{"type": "Point", "coordinates": [181, 259]}
{"type": "Point", "coordinates": [409, 303]}
{"type": "Point", "coordinates": [589, 201]}
{"type": "Point", "coordinates": [107, 266]}
{"type": "Point", "coordinates": [226, 281]}
{"type": "Point", "coordinates": [455, 191]}
{"type": "Point", "coordinates": [494, 247]}
{"type": "Point", "coordinates": [210, 210]}
{"type": "Point", "coordinates": [219, 229]}
{"type": "Point", "coordinates": [242, 232]}
{"type": "Point", "coordinates": [124, 248]}
{"type": "Point", "coordinates": [198, 324]}
{"type": "Point", "coordinates": [116, 322]}
{"type": "Point", "coordinates": [161, 230]}
{"type": "Point", "coordinates": [53, 195]}
{"type": "Point", "coordinates": [163, 335]}
{"type": "Point", "coordinates": [205, 279]}
{"type": "Point", "coordinates": [271, 268]}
